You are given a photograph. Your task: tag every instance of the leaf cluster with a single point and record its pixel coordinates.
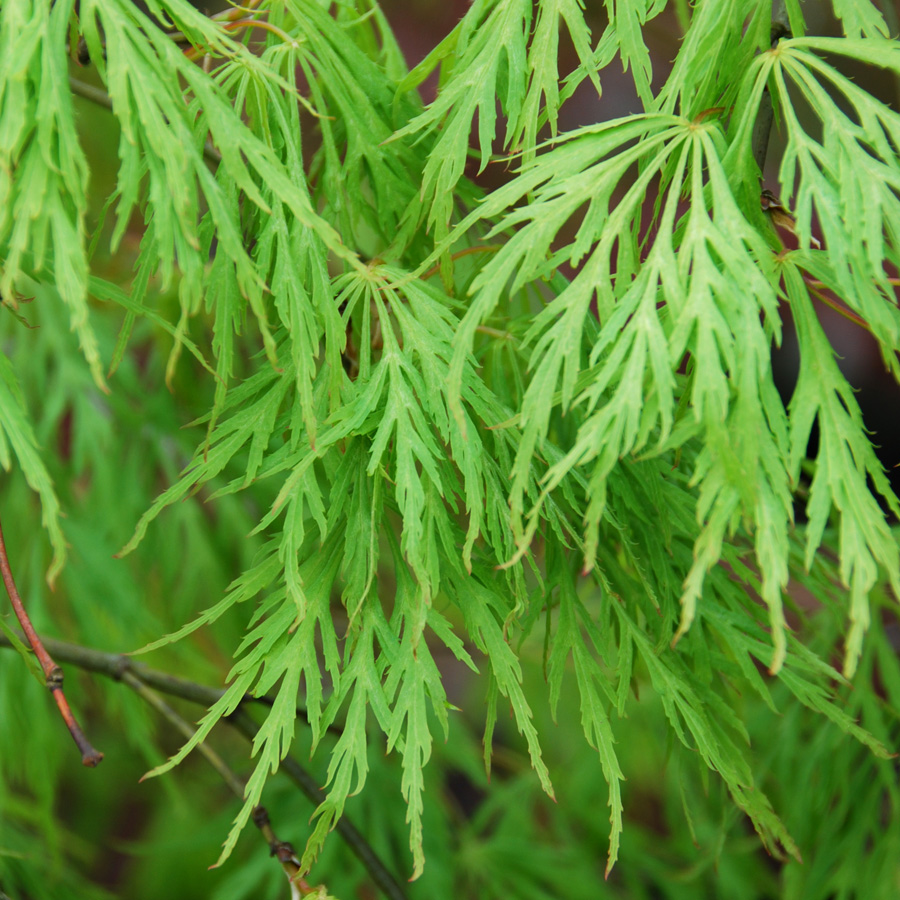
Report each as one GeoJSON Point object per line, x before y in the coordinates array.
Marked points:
{"type": "Point", "coordinates": [527, 432]}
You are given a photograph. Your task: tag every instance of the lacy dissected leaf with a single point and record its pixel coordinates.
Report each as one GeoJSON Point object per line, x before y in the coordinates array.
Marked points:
{"type": "Point", "coordinates": [543, 96]}
{"type": "Point", "coordinates": [481, 607]}
{"type": "Point", "coordinates": [845, 464]}
{"type": "Point", "coordinates": [17, 434]}
{"type": "Point", "coordinates": [626, 18]}
{"type": "Point", "coordinates": [361, 682]}
{"type": "Point", "coordinates": [43, 170]}
{"type": "Point", "coordinates": [714, 55]}
{"type": "Point", "coordinates": [489, 50]}
{"type": "Point", "coordinates": [568, 449]}
{"type": "Point", "coordinates": [280, 648]}
{"type": "Point", "coordinates": [595, 692]}
{"type": "Point", "coordinates": [860, 18]}
{"type": "Point", "coordinates": [164, 129]}
{"type": "Point", "coordinates": [364, 184]}
{"type": "Point", "coordinates": [849, 179]}
{"type": "Point", "coordinates": [386, 446]}
{"type": "Point", "coordinates": [846, 179]}
{"type": "Point", "coordinates": [697, 295]}
{"type": "Point", "coordinates": [702, 722]}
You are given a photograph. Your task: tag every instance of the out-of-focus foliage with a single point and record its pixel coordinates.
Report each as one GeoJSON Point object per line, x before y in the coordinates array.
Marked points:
{"type": "Point", "coordinates": [495, 483]}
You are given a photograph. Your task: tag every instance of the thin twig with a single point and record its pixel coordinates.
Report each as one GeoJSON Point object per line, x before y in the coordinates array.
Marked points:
{"type": "Point", "coordinates": [283, 851]}
{"type": "Point", "coordinates": [385, 881]}
{"type": "Point", "coordinates": [838, 307]}
{"type": "Point", "coordinates": [90, 92]}
{"type": "Point", "coordinates": [486, 248]}
{"type": "Point", "coordinates": [236, 10]}
{"type": "Point", "coordinates": [115, 666]}
{"type": "Point", "coordinates": [265, 25]}
{"type": "Point", "coordinates": [494, 332]}
{"type": "Point", "coordinates": [280, 849]}
{"type": "Point", "coordinates": [765, 116]}
{"type": "Point", "coordinates": [148, 695]}
{"type": "Point", "coordinates": [53, 674]}
{"type": "Point", "coordinates": [814, 282]}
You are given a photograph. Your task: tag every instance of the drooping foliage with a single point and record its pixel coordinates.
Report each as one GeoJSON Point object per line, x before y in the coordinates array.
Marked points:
{"type": "Point", "coordinates": [483, 422]}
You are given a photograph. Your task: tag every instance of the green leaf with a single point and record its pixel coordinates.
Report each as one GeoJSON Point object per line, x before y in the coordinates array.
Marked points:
{"type": "Point", "coordinates": [845, 461]}
{"type": "Point", "coordinates": [42, 208]}
{"type": "Point", "coordinates": [17, 434]}
{"type": "Point", "coordinates": [591, 681]}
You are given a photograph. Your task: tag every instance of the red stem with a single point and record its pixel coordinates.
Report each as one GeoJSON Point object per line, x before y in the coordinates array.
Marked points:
{"type": "Point", "coordinates": [53, 674]}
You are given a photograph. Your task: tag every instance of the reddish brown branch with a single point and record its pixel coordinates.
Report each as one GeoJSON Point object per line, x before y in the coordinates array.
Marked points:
{"type": "Point", "coordinates": [282, 851]}
{"type": "Point", "coordinates": [53, 674]}
{"type": "Point", "coordinates": [487, 248]}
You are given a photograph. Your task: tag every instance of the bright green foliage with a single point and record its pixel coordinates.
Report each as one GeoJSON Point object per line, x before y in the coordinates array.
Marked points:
{"type": "Point", "coordinates": [525, 440]}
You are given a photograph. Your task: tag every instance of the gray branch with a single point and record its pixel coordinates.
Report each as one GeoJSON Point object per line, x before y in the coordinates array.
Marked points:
{"type": "Point", "coordinates": [117, 665]}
